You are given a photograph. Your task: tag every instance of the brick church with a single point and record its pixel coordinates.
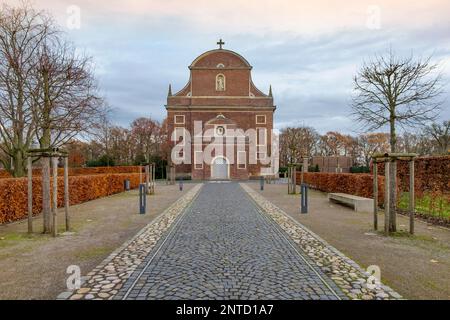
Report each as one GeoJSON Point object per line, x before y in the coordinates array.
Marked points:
{"type": "Point", "coordinates": [221, 94]}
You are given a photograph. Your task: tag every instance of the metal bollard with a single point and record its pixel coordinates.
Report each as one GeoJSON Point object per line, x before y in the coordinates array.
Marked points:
{"type": "Point", "coordinates": [126, 185]}
{"type": "Point", "coordinates": [142, 199]}
{"type": "Point", "coordinates": [304, 201]}
{"type": "Point", "coordinates": [261, 183]}
{"type": "Point", "coordinates": [181, 184]}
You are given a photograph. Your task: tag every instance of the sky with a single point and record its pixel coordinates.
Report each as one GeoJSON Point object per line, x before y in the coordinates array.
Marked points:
{"type": "Point", "coordinates": [309, 51]}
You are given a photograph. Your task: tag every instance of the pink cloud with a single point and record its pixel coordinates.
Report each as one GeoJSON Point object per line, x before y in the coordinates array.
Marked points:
{"type": "Point", "coordinates": [265, 16]}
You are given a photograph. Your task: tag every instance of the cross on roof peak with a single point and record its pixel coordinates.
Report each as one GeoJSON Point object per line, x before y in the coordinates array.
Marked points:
{"type": "Point", "coordinates": [220, 43]}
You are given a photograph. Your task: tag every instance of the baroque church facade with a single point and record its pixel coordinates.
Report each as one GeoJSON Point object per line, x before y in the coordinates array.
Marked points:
{"type": "Point", "coordinates": [221, 95]}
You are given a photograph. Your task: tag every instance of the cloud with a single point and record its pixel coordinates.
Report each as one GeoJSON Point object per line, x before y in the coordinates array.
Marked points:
{"type": "Point", "coordinates": [308, 51]}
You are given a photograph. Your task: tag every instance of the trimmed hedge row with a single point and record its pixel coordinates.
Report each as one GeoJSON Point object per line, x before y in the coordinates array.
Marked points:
{"type": "Point", "coordinates": [14, 192]}
{"type": "Point", "coordinates": [431, 174]}
{"type": "Point", "coordinates": [355, 184]}
{"type": "Point", "coordinates": [83, 171]}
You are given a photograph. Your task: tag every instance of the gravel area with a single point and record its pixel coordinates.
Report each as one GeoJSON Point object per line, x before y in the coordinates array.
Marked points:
{"type": "Point", "coordinates": [34, 266]}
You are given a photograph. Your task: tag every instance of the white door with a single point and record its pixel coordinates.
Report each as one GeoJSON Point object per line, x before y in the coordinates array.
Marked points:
{"type": "Point", "coordinates": [219, 169]}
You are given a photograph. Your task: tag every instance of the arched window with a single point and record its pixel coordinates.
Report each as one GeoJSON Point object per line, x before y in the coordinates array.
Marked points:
{"type": "Point", "coordinates": [220, 82]}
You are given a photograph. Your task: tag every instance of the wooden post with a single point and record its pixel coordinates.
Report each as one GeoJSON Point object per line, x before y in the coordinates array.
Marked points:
{"type": "Point", "coordinates": [393, 196]}
{"type": "Point", "coordinates": [55, 196]}
{"type": "Point", "coordinates": [375, 195]}
{"type": "Point", "coordinates": [140, 175]}
{"type": "Point", "coordinates": [387, 168]}
{"type": "Point", "coordinates": [294, 180]}
{"type": "Point", "coordinates": [411, 197]}
{"type": "Point", "coordinates": [289, 184]}
{"type": "Point", "coordinates": [46, 201]}
{"type": "Point", "coordinates": [147, 179]}
{"type": "Point", "coordinates": [66, 192]}
{"type": "Point", "coordinates": [30, 194]}
{"type": "Point", "coordinates": [289, 174]}
{"type": "Point", "coordinates": [153, 177]}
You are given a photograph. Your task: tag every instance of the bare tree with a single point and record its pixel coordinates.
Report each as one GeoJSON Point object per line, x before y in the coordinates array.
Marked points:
{"type": "Point", "coordinates": [22, 32]}
{"type": "Point", "coordinates": [440, 135]}
{"type": "Point", "coordinates": [102, 132]}
{"type": "Point", "coordinates": [47, 91]}
{"type": "Point", "coordinates": [146, 132]}
{"type": "Point", "coordinates": [392, 91]}
{"type": "Point", "coordinates": [64, 92]}
{"type": "Point", "coordinates": [419, 143]}
{"type": "Point", "coordinates": [297, 142]}
{"type": "Point", "coordinates": [372, 143]}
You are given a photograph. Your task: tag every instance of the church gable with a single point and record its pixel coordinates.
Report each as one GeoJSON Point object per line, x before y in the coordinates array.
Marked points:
{"type": "Point", "coordinates": [220, 59]}
{"type": "Point", "coordinates": [220, 78]}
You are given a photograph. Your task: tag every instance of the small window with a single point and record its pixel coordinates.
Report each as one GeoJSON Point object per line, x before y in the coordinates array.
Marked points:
{"type": "Point", "coordinates": [262, 136]}
{"type": "Point", "coordinates": [179, 119]}
{"type": "Point", "coordinates": [242, 160]}
{"type": "Point", "coordinates": [220, 82]}
{"type": "Point", "coordinates": [260, 119]}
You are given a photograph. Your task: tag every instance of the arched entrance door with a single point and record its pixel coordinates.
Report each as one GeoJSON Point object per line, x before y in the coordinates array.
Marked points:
{"type": "Point", "coordinates": [220, 169]}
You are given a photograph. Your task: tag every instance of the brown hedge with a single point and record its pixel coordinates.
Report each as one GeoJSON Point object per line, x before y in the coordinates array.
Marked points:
{"type": "Point", "coordinates": [14, 194]}
{"type": "Point", "coordinates": [82, 171]}
{"type": "Point", "coordinates": [431, 174]}
{"type": "Point", "coordinates": [355, 184]}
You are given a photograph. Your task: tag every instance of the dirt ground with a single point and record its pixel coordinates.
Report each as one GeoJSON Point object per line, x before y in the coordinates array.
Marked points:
{"type": "Point", "coordinates": [34, 266]}
{"type": "Point", "coordinates": [418, 267]}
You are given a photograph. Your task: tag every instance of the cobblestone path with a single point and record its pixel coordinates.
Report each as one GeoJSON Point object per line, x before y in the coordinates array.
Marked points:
{"type": "Point", "coordinates": [223, 247]}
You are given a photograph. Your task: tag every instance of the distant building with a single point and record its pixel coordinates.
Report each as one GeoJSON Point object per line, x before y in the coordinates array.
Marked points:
{"type": "Point", "coordinates": [333, 164]}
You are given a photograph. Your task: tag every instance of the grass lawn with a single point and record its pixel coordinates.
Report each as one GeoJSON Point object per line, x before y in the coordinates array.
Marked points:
{"type": "Point", "coordinates": [436, 207]}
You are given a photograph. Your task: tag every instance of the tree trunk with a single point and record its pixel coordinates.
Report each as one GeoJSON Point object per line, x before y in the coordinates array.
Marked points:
{"type": "Point", "coordinates": [393, 179]}
{"type": "Point", "coordinates": [18, 164]}
{"type": "Point", "coordinates": [45, 143]}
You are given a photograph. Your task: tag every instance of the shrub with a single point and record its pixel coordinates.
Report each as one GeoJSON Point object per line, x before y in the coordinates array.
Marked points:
{"type": "Point", "coordinates": [14, 192]}
{"type": "Point", "coordinates": [358, 185]}
{"type": "Point", "coordinates": [314, 168]}
{"type": "Point", "coordinates": [83, 171]}
{"type": "Point", "coordinates": [103, 161]}
{"type": "Point", "coordinates": [283, 170]}
{"type": "Point", "coordinates": [361, 169]}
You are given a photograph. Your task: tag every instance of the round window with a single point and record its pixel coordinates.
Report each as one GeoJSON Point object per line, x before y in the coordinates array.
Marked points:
{"type": "Point", "coordinates": [220, 131]}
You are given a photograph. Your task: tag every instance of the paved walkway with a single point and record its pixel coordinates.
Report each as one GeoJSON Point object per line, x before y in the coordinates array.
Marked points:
{"type": "Point", "coordinates": [223, 247]}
